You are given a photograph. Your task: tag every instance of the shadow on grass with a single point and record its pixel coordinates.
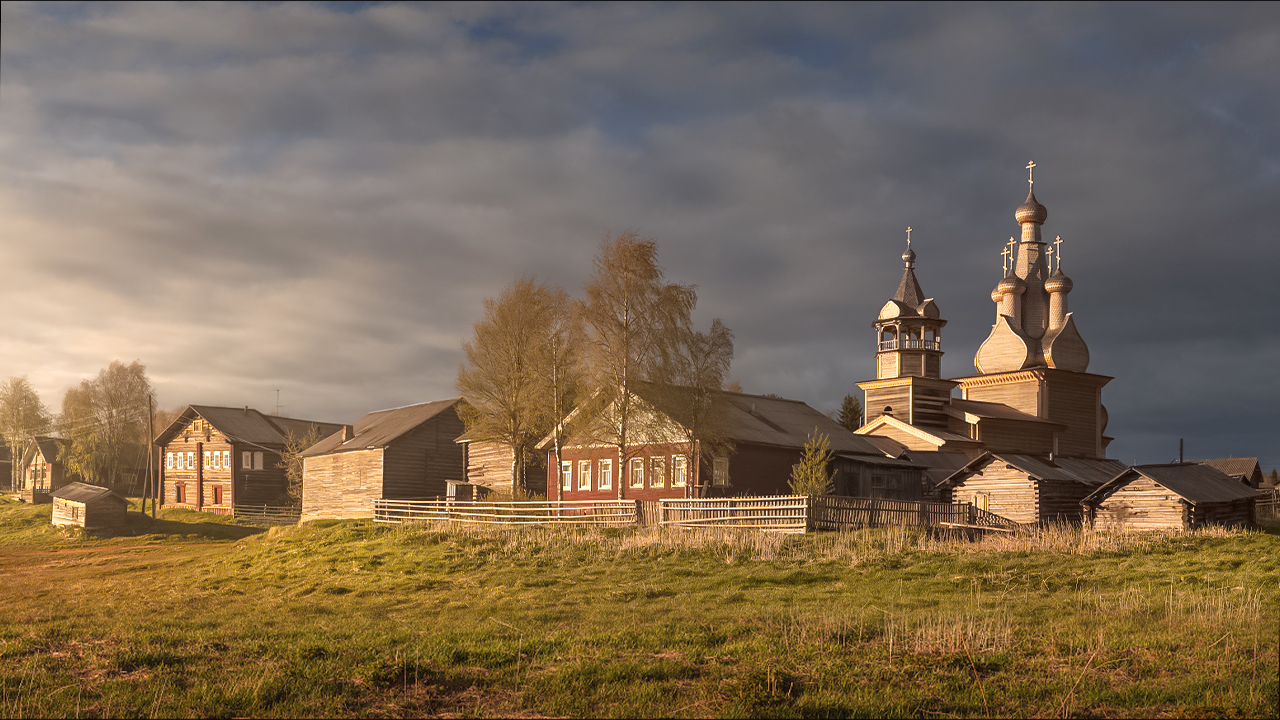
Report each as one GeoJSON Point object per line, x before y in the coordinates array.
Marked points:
{"type": "Point", "coordinates": [139, 524]}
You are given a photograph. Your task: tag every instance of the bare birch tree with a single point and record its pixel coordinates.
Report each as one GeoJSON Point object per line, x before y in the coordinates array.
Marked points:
{"type": "Point", "coordinates": [291, 459]}
{"type": "Point", "coordinates": [521, 370]}
{"type": "Point", "coordinates": [22, 418]}
{"type": "Point", "coordinates": [106, 421]}
{"type": "Point", "coordinates": [635, 322]}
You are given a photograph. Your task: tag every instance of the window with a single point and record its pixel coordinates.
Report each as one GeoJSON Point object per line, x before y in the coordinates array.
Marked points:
{"type": "Point", "coordinates": [226, 459]}
{"type": "Point", "coordinates": [606, 474]}
{"type": "Point", "coordinates": [257, 461]}
{"type": "Point", "coordinates": [980, 501]}
{"type": "Point", "coordinates": [566, 475]}
{"type": "Point", "coordinates": [679, 471]}
{"type": "Point", "coordinates": [720, 471]}
{"type": "Point", "coordinates": [636, 473]}
{"type": "Point", "coordinates": [246, 460]}
{"type": "Point", "coordinates": [584, 474]}
{"type": "Point", "coordinates": [168, 461]}
{"type": "Point", "coordinates": [207, 461]}
{"type": "Point", "coordinates": [658, 472]}
{"type": "Point", "coordinates": [191, 461]}
{"type": "Point", "coordinates": [217, 494]}
{"type": "Point", "coordinates": [198, 425]}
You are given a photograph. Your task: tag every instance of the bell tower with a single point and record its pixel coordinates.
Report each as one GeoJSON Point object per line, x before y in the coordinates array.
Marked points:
{"type": "Point", "coordinates": [909, 384]}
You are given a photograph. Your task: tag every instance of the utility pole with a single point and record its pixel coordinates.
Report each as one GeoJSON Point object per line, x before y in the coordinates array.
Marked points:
{"type": "Point", "coordinates": [151, 461]}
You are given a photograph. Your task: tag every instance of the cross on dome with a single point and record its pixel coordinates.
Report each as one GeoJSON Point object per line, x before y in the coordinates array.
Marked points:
{"type": "Point", "coordinates": [1057, 243]}
{"type": "Point", "coordinates": [1031, 168]}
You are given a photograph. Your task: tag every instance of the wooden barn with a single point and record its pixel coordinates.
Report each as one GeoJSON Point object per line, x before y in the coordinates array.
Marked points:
{"type": "Point", "coordinates": [91, 507]}
{"type": "Point", "coordinates": [490, 465]}
{"type": "Point", "coordinates": [1181, 496]}
{"type": "Point", "coordinates": [406, 453]}
{"type": "Point", "coordinates": [42, 470]}
{"type": "Point", "coordinates": [1029, 489]}
{"type": "Point", "coordinates": [214, 458]}
{"type": "Point", "coordinates": [767, 436]}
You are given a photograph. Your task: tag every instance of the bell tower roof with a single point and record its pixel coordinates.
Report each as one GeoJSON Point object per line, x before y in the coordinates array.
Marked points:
{"type": "Point", "coordinates": [909, 291]}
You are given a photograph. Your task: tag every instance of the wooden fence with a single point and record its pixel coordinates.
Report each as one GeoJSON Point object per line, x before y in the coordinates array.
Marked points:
{"type": "Point", "coordinates": [1268, 505]}
{"type": "Point", "coordinates": [798, 513]}
{"type": "Point", "coordinates": [782, 513]}
{"type": "Point", "coordinates": [281, 514]}
{"type": "Point", "coordinates": [570, 512]}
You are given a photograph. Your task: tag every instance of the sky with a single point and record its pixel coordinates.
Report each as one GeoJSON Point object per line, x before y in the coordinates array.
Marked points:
{"type": "Point", "coordinates": [317, 198]}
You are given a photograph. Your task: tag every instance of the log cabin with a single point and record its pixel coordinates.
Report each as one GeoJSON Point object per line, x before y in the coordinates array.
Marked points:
{"type": "Point", "coordinates": [489, 464]}
{"type": "Point", "coordinates": [765, 439]}
{"type": "Point", "coordinates": [43, 471]}
{"type": "Point", "coordinates": [1028, 489]}
{"type": "Point", "coordinates": [214, 458]}
{"type": "Point", "coordinates": [93, 508]}
{"type": "Point", "coordinates": [1176, 496]}
{"type": "Point", "coordinates": [406, 453]}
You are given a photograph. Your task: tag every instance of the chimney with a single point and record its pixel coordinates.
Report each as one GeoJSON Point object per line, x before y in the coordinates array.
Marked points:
{"type": "Point", "coordinates": [346, 433]}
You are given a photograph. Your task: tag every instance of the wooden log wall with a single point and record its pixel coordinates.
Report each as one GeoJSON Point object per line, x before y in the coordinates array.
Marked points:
{"type": "Point", "coordinates": [1059, 500]}
{"type": "Point", "coordinates": [341, 485]}
{"type": "Point", "coordinates": [1142, 504]}
{"type": "Point", "coordinates": [417, 464]}
{"type": "Point", "coordinates": [1009, 493]}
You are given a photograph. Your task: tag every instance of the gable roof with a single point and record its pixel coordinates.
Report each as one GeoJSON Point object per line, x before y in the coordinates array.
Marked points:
{"type": "Point", "coordinates": [245, 425]}
{"type": "Point", "coordinates": [380, 428]}
{"type": "Point", "coordinates": [85, 493]}
{"type": "Point", "coordinates": [974, 410]}
{"type": "Point", "coordinates": [1241, 467]}
{"type": "Point", "coordinates": [929, 435]}
{"type": "Point", "coordinates": [1193, 482]}
{"type": "Point", "coordinates": [939, 464]}
{"type": "Point", "coordinates": [1086, 471]}
{"type": "Point", "coordinates": [49, 447]}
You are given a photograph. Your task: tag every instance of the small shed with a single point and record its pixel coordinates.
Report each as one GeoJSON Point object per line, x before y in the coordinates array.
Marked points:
{"type": "Point", "coordinates": [1175, 496]}
{"type": "Point", "coordinates": [88, 506]}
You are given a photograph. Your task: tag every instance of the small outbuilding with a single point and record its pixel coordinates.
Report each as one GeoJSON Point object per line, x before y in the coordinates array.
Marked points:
{"type": "Point", "coordinates": [88, 506]}
{"type": "Point", "coordinates": [1028, 489]}
{"type": "Point", "coordinates": [1180, 496]}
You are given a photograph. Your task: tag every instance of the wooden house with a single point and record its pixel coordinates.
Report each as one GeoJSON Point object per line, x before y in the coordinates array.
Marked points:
{"type": "Point", "coordinates": [214, 458]}
{"type": "Point", "coordinates": [1245, 469]}
{"type": "Point", "coordinates": [88, 506]}
{"type": "Point", "coordinates": [490, 465]}
{"type": "Point", "coordinates": [406, 453]}
{"type": "Point", "coordinates": [1029, 489]}
{"type": "Point", "coordinates": [1181, 496]}
{"type": "Point", "coordinates": [43, 471]}
{"type": "Point", "coordinates": [767, 434]}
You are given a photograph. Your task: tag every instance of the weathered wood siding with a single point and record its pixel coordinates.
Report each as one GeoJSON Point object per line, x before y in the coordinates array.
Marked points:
{"type": "Point", "coordinates": [897, 397]}
{"type": "Point", "coordinates": [341, 485]}
{"type": "Point", "coordinates": [489, 464]}
{"type": "Point", "coordinates": [1075, 401]}
{"type": "Point", "coordinates": [418, 463]}
{"type": "Point", "coordinates": [855, 479]}
{"type": "Point", "coordinates": [1027, 438]}
{"type": "Point", "coordinates": [203, 484]}
{"type": "Point", "coordinates": [99, 515]}
{"type": "Point", "coordinates": [1237, 513]}
{"type": "Point", "coordinates": [1009, 493]}
{"type": "Point", "coordinates": [1059, 500]}
{"type": "Point", "coordinates": [1142, 504]}
{"type": "Point", "coordinates": [650, 489]}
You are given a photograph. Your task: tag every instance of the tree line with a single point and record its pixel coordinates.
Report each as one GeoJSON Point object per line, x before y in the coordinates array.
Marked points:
{"type": "Point", "coordinates": [104, 420]}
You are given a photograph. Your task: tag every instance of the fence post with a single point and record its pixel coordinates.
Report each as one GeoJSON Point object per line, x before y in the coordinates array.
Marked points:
{"type": "Point", "coordinates": [639, 510]}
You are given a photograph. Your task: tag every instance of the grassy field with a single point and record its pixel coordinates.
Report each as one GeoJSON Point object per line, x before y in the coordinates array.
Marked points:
{"type": "Point", "coordinates": [194, 615]}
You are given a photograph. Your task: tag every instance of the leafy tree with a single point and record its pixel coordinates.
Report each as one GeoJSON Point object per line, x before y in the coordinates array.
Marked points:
{"type": "Point", "coordinates": [850, 413]}
{"type": "Point", "coordinates": [810, 475]}
{"type": "Point", "coordinates": [22, 418]}
{"type": "Point", "coordinates": [105, 420]}
{"type": "Point", "coordinates": [693, 397]}
{"type": "Point", "coordinates": [734, 386]}
{"type": "Point", "coordinates": [521, 370]}
{"type": "Point", "coordinates": [635, 323]}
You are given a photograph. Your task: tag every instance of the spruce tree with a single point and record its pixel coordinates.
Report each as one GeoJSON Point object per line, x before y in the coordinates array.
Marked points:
{"type": "Point", "coordinates": [850, 413]}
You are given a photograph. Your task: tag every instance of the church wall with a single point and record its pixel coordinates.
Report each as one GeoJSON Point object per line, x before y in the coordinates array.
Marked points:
{"type": "Point", "coordinates": [1073, 401]}
{"type": "Point", "coordinates": [1023, 395]}
{"type": "Point", "coordinates": [912, 364]}
{"type": "Point", "coordinates": [898, 397]}
{"type": "Point", "coordinates": [1028, 438]}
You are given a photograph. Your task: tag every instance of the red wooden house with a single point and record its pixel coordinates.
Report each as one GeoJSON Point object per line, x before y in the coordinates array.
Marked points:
{"type": "Point", "coordinates": [213, 458]}
{"type": "Point", "coordinates": [767, 434]}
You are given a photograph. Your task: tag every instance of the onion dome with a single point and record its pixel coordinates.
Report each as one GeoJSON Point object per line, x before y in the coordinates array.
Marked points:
{"type": "Point", "coordinates": [1011, 284]}
{"type": "Point", "coordinates": [1058, 283]}
{"type": "Point", "coordinates": [909, 256]}
{"type": "Point", "coordinates": [1031, 211]}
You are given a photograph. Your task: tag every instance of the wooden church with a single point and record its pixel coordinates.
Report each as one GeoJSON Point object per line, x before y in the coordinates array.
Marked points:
{"type": "Point", "coordinates": [1031, 396]}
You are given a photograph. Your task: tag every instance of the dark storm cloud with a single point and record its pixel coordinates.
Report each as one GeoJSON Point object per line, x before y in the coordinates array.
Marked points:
{"type": "Point", "coordinates": [300, 196]}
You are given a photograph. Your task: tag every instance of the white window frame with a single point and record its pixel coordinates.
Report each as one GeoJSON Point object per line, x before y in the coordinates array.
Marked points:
{"type": "Point", "coordinates": [246, 460]}
{"type": "Point", "coordinates": [720, 471]}
{"type": "Point", "coordinates": [635, 473]}
{"type": "Point", "coordinates": [679, 471]}
{"type": "Point", "coordinates": [226, 459]}
{"type": "Point", "coordinates": [191, 460]}
{"type": "Point", "coordinates": [207, 460]}
{"type": "Point", "coordinates": [168, 461]}
{"type": "Point", "coordinates": [566, 474]}
{"type": "Point", "coordinates": [584, 474]}
{"type": "Point", "coordinates": [606, 474]}
{"type": "Point", "coordinates": [658, 471]}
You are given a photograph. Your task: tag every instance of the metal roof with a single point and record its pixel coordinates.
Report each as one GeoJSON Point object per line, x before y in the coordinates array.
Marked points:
{"type": "Point", "coordinates": [995, 411]}
{"type": "Point", "coordinates": [778, 421]}
{"type": "Point", "coordinates": [939, 464]}
{"type": "Point", "coordinates": [1241, 467]}
{"type": "Point", "coordinates": [1193, 482]}
{"type": "Point", "coordinates": [380, 428]}
{"type": "Point", "coordinates": [245, 424]}
{"type": "Point", "coordinates": [85, 493]}
{"type": "Point", "coordinates": [1087, 471]}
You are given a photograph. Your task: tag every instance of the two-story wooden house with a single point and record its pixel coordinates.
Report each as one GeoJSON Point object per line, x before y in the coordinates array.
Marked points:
{"type": "Point", "coordinates": [213, 458]}
{"type": "Point", "coordinates": [43, 470]}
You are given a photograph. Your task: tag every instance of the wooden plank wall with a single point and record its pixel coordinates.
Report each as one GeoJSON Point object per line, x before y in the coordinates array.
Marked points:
{"type": "Point", "coordinates": [418, 463]}
{"type": "Point", "coordinates": [1073, 401]}
{"type": "Point", "coordinates": [1142, 504]}
{"type": "Point", "coordinates": [898, 397]}
{"type": "Point", "coordinates": [1059, 500]}
{"type": "Point", "coordinates": [1017, 437]}
{"type": "Point", "coordinates": [341, 485]}
{"type": "Point", "coordinates": [1010, 493]}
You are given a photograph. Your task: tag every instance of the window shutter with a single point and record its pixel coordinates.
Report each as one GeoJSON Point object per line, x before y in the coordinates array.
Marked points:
{"type": "Point", "coordinates": [257, 461]}
{"type": "Point", "coordinates": [246, 460]}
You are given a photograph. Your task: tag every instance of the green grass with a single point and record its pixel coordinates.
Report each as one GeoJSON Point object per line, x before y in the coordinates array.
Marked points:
{"type": "Point", "coordinates": [350, 618]}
